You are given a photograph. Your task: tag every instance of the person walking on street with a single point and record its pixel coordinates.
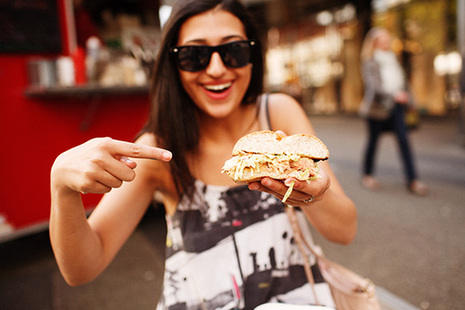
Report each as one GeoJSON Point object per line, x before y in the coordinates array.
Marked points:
{"type": "Point", "coordinates": [385, 101]}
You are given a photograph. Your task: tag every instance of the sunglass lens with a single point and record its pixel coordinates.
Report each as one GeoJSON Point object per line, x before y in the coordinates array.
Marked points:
{"type": "Point", "coordinates": [236, 54]}
{"type": "Point", "coordinates": [193, 58]}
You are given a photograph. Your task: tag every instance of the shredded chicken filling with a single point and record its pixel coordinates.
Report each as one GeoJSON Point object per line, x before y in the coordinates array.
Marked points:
{"type": "Point", "coordinates": [289, 164]}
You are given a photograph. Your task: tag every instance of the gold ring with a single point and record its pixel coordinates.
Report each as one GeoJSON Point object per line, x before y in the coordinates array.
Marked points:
{"type": "Point", "coordinates": [309, 199]}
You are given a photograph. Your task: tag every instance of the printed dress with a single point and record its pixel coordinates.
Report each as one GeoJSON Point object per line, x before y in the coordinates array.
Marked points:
{"type": "Point", "coordinates": [232, 248]}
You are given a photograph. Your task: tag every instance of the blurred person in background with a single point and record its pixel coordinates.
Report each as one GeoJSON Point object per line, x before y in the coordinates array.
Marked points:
{"type": "Point", "coordinates": [228, 245]}
{"type": "Point", "coordinates": [386, 99]}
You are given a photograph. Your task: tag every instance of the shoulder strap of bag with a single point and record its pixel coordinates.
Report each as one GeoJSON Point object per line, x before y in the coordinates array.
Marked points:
{"type": "Point", "coordinates": [263, 112]}
{"type": "Point", "coordinates": [298, 231]}
{"type": "Point", "coordinates": [302, 244]}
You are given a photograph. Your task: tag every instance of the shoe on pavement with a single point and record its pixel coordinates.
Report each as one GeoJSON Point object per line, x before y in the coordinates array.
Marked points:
{"type": "Point", "coordinates": [370, 183]}
{"type": "Point", "coordinates": [418, 188]}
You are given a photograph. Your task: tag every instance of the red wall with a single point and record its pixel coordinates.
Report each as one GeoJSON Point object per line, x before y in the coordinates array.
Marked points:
{"type": "Point", "coordinates": [34, 132]}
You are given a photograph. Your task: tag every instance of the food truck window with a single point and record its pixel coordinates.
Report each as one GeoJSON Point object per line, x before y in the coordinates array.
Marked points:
{"type": "Point", "coordinates": [30, 26]}
{"type": "Point", "coordinates": [119, 38]}
{"type": "Point", "coordinates": [114, 22]}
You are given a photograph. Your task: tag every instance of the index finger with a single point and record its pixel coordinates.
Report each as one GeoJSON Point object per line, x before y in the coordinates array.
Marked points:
{"type": "Point", "coordinates": [139, 150]}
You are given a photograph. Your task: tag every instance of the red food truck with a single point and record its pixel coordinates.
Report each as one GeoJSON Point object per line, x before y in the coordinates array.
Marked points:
{"type": "Point", "coordinates": [40, 118]}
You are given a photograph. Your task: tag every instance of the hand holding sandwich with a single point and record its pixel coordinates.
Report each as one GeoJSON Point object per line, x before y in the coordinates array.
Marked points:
{"type": "Point", "coordinates": [285, 166]}
{"type": "Point", "coordinates": [303, 194]}
{"type": "Point", "coordinates": [293, 169]}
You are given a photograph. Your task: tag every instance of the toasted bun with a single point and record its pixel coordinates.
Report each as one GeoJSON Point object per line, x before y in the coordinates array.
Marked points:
{"type": "Point", "coordinates": [270, 154]}
{"type": "Point", "coordinates": [270, 142]}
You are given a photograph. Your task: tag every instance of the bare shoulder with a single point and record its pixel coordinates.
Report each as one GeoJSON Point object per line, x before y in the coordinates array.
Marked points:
{"type": "Point", "coordinates": [287, 114]}
{"type": "Point", "coordinates": [282, 97]}
{"type": "Point", "coordinates": [284, 106]}
{"type": "Point", "coordinates": [147, 138]}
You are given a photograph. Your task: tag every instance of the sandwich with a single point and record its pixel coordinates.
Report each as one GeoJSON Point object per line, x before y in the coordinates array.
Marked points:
{"type": "Point", "coordinates": [274, 155]}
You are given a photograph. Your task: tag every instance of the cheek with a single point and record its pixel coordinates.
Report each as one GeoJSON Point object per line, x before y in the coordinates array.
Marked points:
{"type": "Point", "coordinates": [247, 77]}
{"type": "Point", "coordinates": [187, 81]}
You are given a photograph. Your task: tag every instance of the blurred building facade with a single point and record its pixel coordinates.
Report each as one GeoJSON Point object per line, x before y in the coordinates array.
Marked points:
{"type": "Point", "coordinates": [313, 46]}
{"type": "Point", "coordinates": [313, 49]}
{"type": "Point", "coordinates": [312, 53]}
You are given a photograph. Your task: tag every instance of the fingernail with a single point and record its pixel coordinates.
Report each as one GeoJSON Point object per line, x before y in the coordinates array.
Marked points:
{"type": "Point", "coordinates": [126, 160]}
{"type": "Point", "coordinates": [253, 186]}
{"type": "Point", "coordinates": [167, 155]}
{"type": "Point", "coordinates": [288, 182]}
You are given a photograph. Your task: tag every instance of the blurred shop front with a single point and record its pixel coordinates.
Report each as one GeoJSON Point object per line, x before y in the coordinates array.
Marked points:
{"type": "Point", "coordinates": [313, 50]}
{"type": "Point", "coordinates": [312, 61]}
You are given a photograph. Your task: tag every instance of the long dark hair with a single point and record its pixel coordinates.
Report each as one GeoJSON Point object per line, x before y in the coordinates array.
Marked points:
{"type": "Point", "coordinates": [172, 118]}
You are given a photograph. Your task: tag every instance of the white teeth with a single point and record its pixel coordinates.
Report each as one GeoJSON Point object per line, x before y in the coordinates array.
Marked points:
{"type": "Point", "coordinates": [218, 87]}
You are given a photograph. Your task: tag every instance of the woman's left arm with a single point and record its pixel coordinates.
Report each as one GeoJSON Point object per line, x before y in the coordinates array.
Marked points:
{"type": "Point", "coordinates": [330, 210]}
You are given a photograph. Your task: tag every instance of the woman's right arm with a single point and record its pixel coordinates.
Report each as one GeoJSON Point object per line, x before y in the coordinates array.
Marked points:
{"type": "Point", "coordinates": [84, 247]}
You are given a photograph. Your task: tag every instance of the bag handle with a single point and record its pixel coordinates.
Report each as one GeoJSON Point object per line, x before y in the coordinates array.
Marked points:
{"type": "Point", "coordinates": [298, 231]}
{"type": "Point", "coordinates": [341, 279]}
{"type": "Point", "coordinates": [264, 113]}
{"type": "Point", "coordinates": [302, 244]}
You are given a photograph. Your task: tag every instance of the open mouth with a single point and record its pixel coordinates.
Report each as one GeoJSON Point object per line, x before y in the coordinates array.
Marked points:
{"type": "Point", "coordinates": [219, 88]}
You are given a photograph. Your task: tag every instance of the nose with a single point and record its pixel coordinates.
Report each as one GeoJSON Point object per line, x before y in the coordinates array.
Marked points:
{"type": "Point", "coordinates": [216, 67]}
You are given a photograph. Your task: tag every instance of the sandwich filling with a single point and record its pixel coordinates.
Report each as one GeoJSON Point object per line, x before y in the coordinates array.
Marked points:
{"type": "Point", "coordinates": [247, 165]}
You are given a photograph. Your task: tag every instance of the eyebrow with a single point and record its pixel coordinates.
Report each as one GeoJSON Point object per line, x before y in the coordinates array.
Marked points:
{"type": "Point", "coordinates": [224, 39]}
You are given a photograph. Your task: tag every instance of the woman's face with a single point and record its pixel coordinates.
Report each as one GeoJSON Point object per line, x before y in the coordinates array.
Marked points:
{"type": "Point", "coordinates": [216, 90]}
{"type": "Point", "coordinates": [383, 41]}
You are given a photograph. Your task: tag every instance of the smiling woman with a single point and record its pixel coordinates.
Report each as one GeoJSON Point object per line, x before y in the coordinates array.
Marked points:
{"type": "Point", "coordinates": [224, 78]}
{"type": "Point", "coordinates": [228, 246]}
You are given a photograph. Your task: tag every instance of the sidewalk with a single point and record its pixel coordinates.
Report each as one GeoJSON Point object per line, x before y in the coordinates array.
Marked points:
{"type": "Point", "coordinates": [413, 248]}
{"type": "Point", "coordinates": [390, 301]}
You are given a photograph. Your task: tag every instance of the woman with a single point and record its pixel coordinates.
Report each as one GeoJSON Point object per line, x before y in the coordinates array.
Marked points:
{"type": "Point", "coordinates": [228, 246]}
{"type": "Point", "coordinates": [384, 103]}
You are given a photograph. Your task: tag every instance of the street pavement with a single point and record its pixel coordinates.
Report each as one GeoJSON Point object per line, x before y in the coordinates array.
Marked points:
{"type": "Point", "coordinates": [413, 248]}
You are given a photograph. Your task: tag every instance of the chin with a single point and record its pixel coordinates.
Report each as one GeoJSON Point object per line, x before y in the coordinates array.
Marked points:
{"type": "Point", "coordinates": [220, 109]}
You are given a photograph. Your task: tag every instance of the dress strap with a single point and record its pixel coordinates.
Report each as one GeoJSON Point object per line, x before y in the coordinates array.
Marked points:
{"type": "Point", "coordinates": [263, 113]}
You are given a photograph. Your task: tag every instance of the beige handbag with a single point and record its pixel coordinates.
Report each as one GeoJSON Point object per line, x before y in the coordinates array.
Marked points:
{"type": "Point", "coordinates": [350, 291]}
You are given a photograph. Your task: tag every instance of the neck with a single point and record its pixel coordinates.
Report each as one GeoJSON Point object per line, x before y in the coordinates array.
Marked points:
{"type": "Point", "coordinates": [229, 128]}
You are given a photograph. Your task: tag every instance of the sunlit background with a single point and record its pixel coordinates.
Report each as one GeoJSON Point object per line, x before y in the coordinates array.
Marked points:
{"type": "Point", "coordinates": [71, 70]}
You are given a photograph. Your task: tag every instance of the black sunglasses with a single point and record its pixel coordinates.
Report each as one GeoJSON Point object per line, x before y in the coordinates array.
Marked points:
{"type": "Point", "coordinates": [195, 58]}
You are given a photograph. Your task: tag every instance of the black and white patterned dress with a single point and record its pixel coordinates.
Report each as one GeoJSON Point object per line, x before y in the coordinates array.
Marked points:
{"type": "Point", "coordinates": [232, 248]}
